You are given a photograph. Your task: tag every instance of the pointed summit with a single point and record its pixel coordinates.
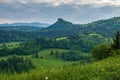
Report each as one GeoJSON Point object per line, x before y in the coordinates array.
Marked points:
{"type": "Point", "coordinates": [60, 20]}
{"type": "Point", "coordinates": [60, 24]}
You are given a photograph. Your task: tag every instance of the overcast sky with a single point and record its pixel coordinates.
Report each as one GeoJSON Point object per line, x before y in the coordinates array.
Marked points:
{"type": "Point", "coordinates": [47, 11]}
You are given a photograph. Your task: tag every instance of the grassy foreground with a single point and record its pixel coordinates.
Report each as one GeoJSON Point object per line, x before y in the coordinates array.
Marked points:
{"type": "Point", "coordinates": [108, 69]}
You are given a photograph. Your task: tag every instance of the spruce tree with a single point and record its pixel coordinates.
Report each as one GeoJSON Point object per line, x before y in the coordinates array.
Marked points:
{"type": "Point", "coordinates": [116, 41]}
{"type": "Point", "coordinates": [51, 52]}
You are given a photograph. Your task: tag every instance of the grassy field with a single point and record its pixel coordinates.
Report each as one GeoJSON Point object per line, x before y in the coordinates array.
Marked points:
{"type": "Point", "coordinates": [49, 60]}
{"type": "Point", "coordinates": [57, 69]}
{"type": "Point", "coordinates": [61, 38]}
{"type": "Point", "coordinates": [107, 69]}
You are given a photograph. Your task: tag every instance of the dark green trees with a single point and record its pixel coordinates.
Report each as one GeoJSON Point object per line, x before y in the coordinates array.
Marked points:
{"type": "Point", "coordinates": [74, 56]}
{"type": "Point", "coordinates": [15, 64]}
{"type": "Point", "coordinates": [51, 53]}
{"type": "Point", "coordinates": [116, 41]}
{"type": "Point", "coordinates": [4, 51]}
{"type": "Point", "coordinates": [71, 56]}
{"type": "Point", "coordinates": [104, 50]}
{"type": "Point", "coordinates": [100, 52]}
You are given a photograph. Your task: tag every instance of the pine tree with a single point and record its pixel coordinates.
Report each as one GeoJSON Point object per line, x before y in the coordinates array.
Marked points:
{"type": "Point", "coordinates": [116, 41]}
{"type": "Point", "coordinates": [51, 52]}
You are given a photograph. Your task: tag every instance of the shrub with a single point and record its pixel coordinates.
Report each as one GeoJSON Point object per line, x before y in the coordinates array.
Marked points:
{"type": "Point", "coordinates": [115, 52]}
{"type": "Point", "coordinates": [100, 52]}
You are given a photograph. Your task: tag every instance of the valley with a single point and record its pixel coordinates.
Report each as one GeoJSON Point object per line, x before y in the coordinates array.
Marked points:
{"type": "Point", "coordinates": [61, 51]}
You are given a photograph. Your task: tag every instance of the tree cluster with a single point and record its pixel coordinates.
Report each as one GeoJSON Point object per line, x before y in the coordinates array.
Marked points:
{"type": "Point", "coordinates": [16, 64]}
{"type": "Point", "coordinates": [74, 56]}
{"type": "Point", "coordinates": [82, 43]}
{"type": "Point", "coordinates": [103, 51]}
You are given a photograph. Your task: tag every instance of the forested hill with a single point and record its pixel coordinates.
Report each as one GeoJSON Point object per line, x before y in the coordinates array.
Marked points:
{"type": "Point", "coordinates": [60, 24]}
{"type": "Point", "coordinates": [105, 27]}
{"type": "Point", "coordinates": [34, 26]}
{"type": "Point", "coordinates": [62, 28]}
{"type": "Point", "coordinates": [37, 24]}
{"type": "Point", "coordinates": [20, 28]}
{"type": "Point", "coordinates": [12, 35]}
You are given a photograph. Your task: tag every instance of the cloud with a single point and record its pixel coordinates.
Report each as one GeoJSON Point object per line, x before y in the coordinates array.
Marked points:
{"type": "Point", "coordinates": [60, 2]}
{"type": "Point", "coordinates": [96, 3]}
{"type": "Point", "coordinates": [77, 11]}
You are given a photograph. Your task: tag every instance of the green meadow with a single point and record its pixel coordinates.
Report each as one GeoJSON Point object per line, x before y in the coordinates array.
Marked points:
{"type": "Point", "coordinates": [107, 69]}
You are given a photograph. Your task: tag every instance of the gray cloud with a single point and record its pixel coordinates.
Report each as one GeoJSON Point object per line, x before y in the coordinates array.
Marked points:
{"type": "Point", "coordinates": [75, 2]}
{"type": "Point", "coordinates": [79, 11]}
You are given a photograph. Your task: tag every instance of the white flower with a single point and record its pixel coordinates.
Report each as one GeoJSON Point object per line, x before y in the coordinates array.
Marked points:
{"type": "Point", "coordinates": [46, 78]}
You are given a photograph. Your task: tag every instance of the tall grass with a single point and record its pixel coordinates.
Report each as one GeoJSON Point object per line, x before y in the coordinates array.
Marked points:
{"type": "Point", "coordinates": [107, 69]}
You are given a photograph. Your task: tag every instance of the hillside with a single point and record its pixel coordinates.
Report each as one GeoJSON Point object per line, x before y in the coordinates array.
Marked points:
{"type": "Point", "coordinates": [106, 27]}
{"type": "Point", "coordinates": [64, 28]}
{"type": "Point", "coordinates": [60, 24]}
{"type": "Point", "coordinates": [20, 28]}
{"type": "Point", "coordinates": [107, 69]}
{"type": "Point", "coordinates": [15, 35]}
{"type": "Point", "coordinates": [61, 28]}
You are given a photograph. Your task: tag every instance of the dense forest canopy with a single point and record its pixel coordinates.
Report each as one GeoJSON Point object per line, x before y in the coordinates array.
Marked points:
{"type": "Point", "coordinates": [83, 43]}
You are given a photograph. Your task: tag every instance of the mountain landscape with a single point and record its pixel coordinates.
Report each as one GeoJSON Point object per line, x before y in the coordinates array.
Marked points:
{"type": "Point", "coordinates": [59, 40]}
{"type": "Point", "coordinates": [60, 28]}
{"type": "Point", "coordinates": [65, 50]}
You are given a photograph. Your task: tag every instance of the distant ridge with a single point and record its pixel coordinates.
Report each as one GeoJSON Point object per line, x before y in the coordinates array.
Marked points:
{"type": "Point", "coordinates": [61, 28]}
{"type": "Point", "coordinates": [36, 24]}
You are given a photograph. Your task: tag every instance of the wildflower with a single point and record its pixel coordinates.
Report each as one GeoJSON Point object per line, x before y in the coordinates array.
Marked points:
{"type": "Point", "coordinates": [46, 78]}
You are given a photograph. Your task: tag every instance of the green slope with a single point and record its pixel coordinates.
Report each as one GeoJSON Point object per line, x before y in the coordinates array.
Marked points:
{"type": "Point", "coordinates": [60, 28]}
{"type": "Point", "coordinates": [107, 69]}
{"type": "Point", "coordinates": [64, 28]}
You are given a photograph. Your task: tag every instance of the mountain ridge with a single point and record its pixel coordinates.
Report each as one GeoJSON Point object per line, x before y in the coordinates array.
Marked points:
{"type": "Point", "coordinates": [36, 24]}
{"type": "Point", "coordinates": [62, 27]}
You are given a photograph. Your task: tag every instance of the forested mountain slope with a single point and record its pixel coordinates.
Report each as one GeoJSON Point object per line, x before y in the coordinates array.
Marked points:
{"type": "Point", "coordinates": [62, 28]}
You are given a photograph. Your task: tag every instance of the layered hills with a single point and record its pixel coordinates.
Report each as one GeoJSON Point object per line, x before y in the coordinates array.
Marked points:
{"type": "Point", "coordinates": [61, 28]}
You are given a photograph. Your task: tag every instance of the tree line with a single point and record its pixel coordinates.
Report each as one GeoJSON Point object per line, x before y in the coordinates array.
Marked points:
{"type": "Point", "coordinates": [105, 50]}
{"type": "Point", "coordinates": [16, 65]}
{"type": "Point", "coordinates": [83, 43]}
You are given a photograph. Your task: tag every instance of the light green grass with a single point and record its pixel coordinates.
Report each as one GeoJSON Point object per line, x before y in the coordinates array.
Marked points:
{"type": "Point", "coordinates": [10, 44]}
{"type": "Point", "coordinates": [46, 53]}
{"type": "Point", "coordinates": [61, 38]}
{"type": "Point", "coordinates": [57, 69]}
{"type": "Point", "coordinates": [107, 69]}
{"type": "Point", "coordinates": [49, 60]}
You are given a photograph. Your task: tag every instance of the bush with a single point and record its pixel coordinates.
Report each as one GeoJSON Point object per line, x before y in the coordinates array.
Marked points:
{"type": "Point", "coordinates": [100, 52]}
{"type": "Point", "coordinates": [114, 52]}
